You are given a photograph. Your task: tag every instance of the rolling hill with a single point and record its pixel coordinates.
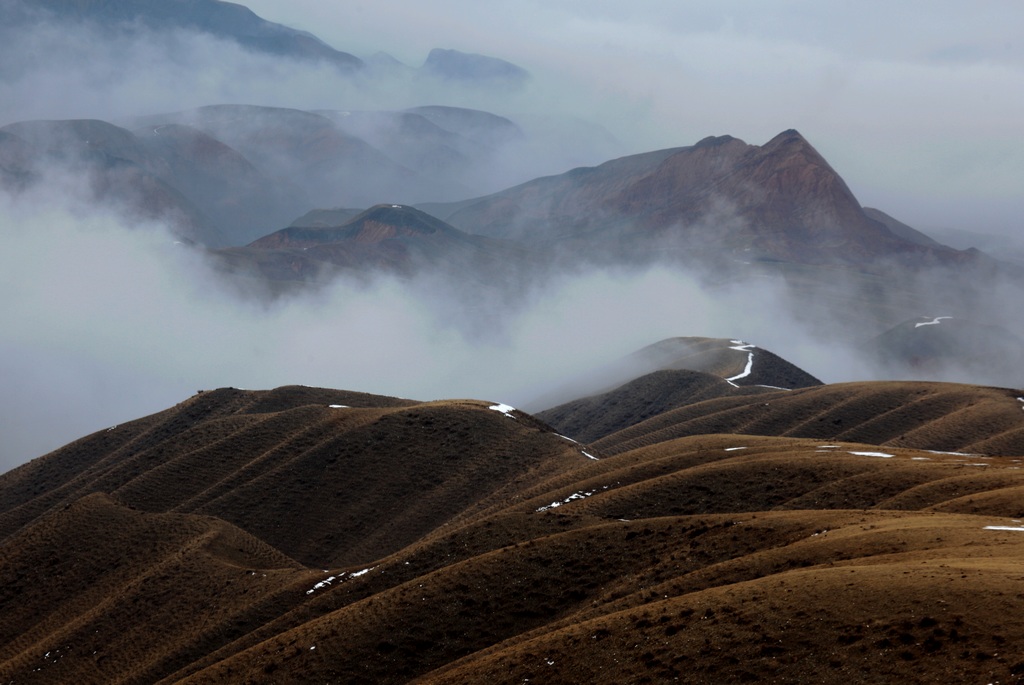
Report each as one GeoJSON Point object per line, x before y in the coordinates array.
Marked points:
{"type": "Point", "coordinates": [308, 534]}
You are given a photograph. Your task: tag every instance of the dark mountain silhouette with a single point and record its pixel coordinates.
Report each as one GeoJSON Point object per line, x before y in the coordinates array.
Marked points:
{"type": "Point", "coordinates": [465, 541]}
{"type": "Point", "coordinates": [225, 20]}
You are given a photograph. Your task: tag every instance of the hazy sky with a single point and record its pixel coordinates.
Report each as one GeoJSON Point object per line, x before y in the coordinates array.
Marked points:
{"type": "Point", "coordinates": [918, 104]}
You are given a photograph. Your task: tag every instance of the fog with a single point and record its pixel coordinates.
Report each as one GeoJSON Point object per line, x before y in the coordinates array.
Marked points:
{"type": "Point", "coordinates": [106, 319]}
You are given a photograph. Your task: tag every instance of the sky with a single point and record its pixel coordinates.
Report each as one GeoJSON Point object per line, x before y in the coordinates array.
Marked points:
{"type": "Point", "coordinates": [918, 105]}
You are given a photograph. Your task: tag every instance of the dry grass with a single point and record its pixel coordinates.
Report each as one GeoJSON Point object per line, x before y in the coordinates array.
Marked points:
{"type": "Point", "coordinates": [708, 558]}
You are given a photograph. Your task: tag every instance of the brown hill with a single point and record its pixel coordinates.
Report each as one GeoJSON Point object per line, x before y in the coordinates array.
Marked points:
{"type": "Point", "coordinates": [738, 362]}
{"type": "Point", "coordinates": [249, 457]}
{"type": "Point", "coordinates": [76, 578]}
{"type": "Point", "coordinates": [650, 597]}
{"type": "Point", "coordinates": [924, 415]}
{"type": "Point", "coordinates": [591, 418]}
{"type": "Point", "coordinates": [481, 547]}
{"type": "Point", "coordinates": [716, 367]}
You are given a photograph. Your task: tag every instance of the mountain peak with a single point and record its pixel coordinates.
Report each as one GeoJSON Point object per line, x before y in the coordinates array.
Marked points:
{"type": "Point", "coordinates": [713, 141]}
{"type": "Point", "coordinates": [789, 139]}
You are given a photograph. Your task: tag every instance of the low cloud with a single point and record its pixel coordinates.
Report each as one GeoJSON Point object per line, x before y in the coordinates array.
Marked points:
{"type": "Point", "coordinates": [107, 320]}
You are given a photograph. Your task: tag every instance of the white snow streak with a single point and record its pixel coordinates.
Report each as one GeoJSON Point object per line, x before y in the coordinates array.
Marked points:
{"type": "Point", "coordinates": [733, 449]}
{"type": "Point", "coordinates": [581, 494]}
{"type": "Point", "coordinates": [504, 409]}
{"type": "Point", "coordinates": [741, 346]}
{"type": "Point", "coordinates": [933, 322]}
{"type": "Point", "coordinates": [883, 455]}
{"type": "Point", "coordinates": [1016, 528]}
{"type": "Point", "coordinates": [340, 578]}
{"type": "Point", "coordinates": [338, 406]}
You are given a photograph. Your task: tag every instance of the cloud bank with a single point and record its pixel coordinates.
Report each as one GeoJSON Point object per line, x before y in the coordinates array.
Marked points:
{"type": "Point", "coordinates": [107, 320]}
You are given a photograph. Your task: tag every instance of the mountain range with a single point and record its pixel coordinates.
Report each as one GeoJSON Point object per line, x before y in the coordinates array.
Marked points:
{"type": "Point", "coordinates": [237, 24]}
{"type": "Point", "coordinates": [232, 178]}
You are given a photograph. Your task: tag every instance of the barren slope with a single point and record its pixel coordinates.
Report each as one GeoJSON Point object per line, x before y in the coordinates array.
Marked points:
{"type": "Point", "coordinates": [938, 416]}
{"type": "Point", "coordinates": [707, 558]}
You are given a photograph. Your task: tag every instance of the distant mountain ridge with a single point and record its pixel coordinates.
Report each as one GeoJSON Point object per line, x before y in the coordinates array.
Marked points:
{"type": "Point", "coordinates": [780, 201]}
{"type": "Point", "coordinates": [224, 20]}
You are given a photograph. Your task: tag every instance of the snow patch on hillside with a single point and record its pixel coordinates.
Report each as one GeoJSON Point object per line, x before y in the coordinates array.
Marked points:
{"type": "Point", "coordinates": [933, 322]}
{"type": "Point", "coordinates": [580, 494]}
{"type": "Point", "coordinates": [326, 582]}
{"type": "Point", "coordinates": [504, 409]}
{"type": "Point", "coordinates": [741, 346]}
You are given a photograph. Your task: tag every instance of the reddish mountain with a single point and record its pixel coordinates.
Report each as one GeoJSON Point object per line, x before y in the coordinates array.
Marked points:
{"type": "Point", "coordinates": [780, 201]}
